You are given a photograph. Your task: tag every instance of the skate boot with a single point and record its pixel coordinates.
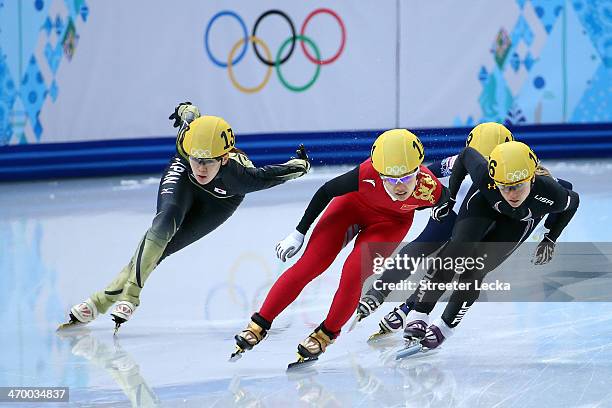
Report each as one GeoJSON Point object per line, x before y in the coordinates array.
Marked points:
{"type": "Point", "coordinates": [122, 311]}
{"type": "Point", "coordinates": [414, 332]}
{"type": "Point", "coordinates": [313, 346]}
{"type": "Point", "coordinates": [392, 322]}
{"type": "Point", "coordinates": [436, 334]}
{"type": "Point", "coordinates": [255, 332]}
{"type": "Point", "coordinates": [368, 304]}
{"type": "Point", "coordinates": [80, 314]}
{"type": "Point", "coordinates": [416, 327]}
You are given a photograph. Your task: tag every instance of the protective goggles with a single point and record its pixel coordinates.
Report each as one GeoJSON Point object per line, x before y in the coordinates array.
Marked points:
{"type": "Point", "coordinates": [398, 180]}
{"type": "Point", "coordinates": [205, 162]}
{"type": "Point", "coordinates": [514, 187]}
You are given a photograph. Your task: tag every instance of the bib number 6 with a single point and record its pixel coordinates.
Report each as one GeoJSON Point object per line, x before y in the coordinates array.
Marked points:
{"type": "Point", "coordinates": [492, 166]}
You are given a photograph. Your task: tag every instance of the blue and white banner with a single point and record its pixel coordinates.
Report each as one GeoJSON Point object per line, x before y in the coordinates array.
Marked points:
{"type": "Point", "coordinates": [82, 70]}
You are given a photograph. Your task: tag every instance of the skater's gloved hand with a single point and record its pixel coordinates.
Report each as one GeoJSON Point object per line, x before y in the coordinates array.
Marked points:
{"type": "Point", "coordinates": [184, 112]}
{"type": "Point", "coordinates": [301, 160]}
{"type": "Point", "coordinates": [301, 154]}
{"type": "Point", "coordinates": [367, 305]}
{"type": "Point", "coordinates": [289, 246]}
{"type": "Point", "coordinates": [442, 209]}
{"type": "Point", "coordinates": [189, 113]}
{"type": "Point", "coordinates": [544, 251]}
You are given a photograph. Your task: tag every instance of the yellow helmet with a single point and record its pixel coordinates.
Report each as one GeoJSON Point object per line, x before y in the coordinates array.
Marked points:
{"type": "Point", "coordinates": [397, 152]}
{"type": "Point", "coordinates": [208, 137]}
{"type": "Point", "coordinates": [512, 163]}
{"type": "Point", "coordinates": [486, 136]}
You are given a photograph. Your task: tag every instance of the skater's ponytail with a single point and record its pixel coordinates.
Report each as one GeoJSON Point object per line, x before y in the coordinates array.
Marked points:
{"type": "Point", "coordinates": [542, 171]}
{"type": "Point", "coordinates": [238, 151]}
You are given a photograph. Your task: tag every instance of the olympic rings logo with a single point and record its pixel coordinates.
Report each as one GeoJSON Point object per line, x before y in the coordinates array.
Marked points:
{"type": "Point", "coordinates": [396, 170]}
{"type": "Point", "coordinates": [517, 175]}
{"type": "Point", "coordinates": [200, 154]}
{"type": "Point", "coordinates": [267, 58]}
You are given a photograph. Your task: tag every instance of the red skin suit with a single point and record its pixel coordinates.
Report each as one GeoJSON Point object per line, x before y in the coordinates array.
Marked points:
{"type": "Point", "coordinates": [380, 218]}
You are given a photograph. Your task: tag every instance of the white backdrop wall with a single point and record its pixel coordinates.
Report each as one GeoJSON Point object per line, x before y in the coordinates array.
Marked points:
{"type": "Point", "coordinates": [115, 69]}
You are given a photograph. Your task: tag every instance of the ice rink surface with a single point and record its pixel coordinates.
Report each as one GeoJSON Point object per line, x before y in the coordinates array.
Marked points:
{"type": "Point", "coordinates": [61, 241]}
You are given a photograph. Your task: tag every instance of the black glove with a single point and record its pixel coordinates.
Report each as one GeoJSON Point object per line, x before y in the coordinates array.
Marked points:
{"type": "Point", "coordinates": [544, 251]}
{"type": "Point", "coordinates": [442, 209]}
{"type": "Point", "coordinates": [175, 115]}
{"type": "Point", "coordinates": [301, 153]}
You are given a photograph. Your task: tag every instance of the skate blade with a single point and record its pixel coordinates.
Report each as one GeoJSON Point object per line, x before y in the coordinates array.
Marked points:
{"type": "Point", "coordinates": [302, 363]}
{"type": "Point", "coordinates": [301, 372]}
{"type": "Point", "coordinates": [421, 353]}
{"type": "Point", "coordinates": [236, 355]}
{"type": "Point", "coordinates": [379, 336]}
{"type": "Point", "coordinates": [408, 351]}
{"type": "Point", "coordinates": [118, 322]}
{"type": "Point", "coordinates": [70, 326]}
{"type": "Point", "coordinates": [411, 348]}
{"type": "Point", "coordinates": [353, 323]}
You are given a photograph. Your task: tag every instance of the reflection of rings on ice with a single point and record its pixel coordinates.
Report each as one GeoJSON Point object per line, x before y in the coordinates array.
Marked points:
{"type": "Point", "coordinates": [221, 301]}
{"type": "Point", "coordinates": [231, 277]}
{"type": "Point", "coordinates": [324, 280]}
{"type": "Point", "coordinates": [325, 284]}
{"type": "Point", "coordinates": [261, 293]}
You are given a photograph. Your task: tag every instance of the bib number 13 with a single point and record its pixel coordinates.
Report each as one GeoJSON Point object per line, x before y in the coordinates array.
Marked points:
{"type": "Point", "coordinates": [228, 138]}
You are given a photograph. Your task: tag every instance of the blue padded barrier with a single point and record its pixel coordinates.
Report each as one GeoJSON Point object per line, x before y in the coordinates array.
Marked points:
{"type": "Point", "coordinates": [150, 155]}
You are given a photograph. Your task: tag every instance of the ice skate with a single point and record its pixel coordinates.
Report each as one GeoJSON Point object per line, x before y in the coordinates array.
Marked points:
{"type": "Point", "coordinates": [80, 314]}
{"type": "Point", "coordinates": [414, 332]}
{"type": "Point", "coordinates": [367, 305]}
{"type": "Point", "coordinates": [312, 347]}
{"type": "Point", "coordinates": [416, 327]}
{"type": "Point", "coordinates": [435, 335]}
{"type": "Point", "coordinates": [122, 311]}
{"type": "Point", "coordinates": [72, 323]}
{"type": "Point", "coordinates": [254, 333]}
{"type": "Point", "coordinates": [391, 323]}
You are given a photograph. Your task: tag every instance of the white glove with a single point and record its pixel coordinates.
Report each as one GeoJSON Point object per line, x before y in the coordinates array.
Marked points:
{"type": "Point", "coordinates": [301, 163]}
{"type": "Point", "coordinates": [184, 114]}
{"type": "Point", "coordinates": [289, 246]}
{"type": "Point", "coordinates": [188, 113]}
{"type": "Point", "coordinates": [301, 167]}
